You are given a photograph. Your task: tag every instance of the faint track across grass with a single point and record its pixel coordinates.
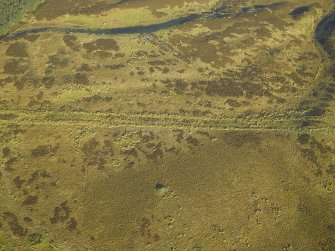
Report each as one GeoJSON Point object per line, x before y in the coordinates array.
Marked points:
{"type": "Point", "coordinates": [290, 121]}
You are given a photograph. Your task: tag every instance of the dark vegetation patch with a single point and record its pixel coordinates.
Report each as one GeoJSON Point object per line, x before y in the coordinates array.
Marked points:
{"type": "Point", "coordinates": [15, 66]}
{"type": "Point", "coordinates": [89, 47]}
{"type": "Point", "coordinates": [179, 135]}
{"type": "Point", "coordinates": [254, 90]}
{"type": "Point", "coordinates": [315, 111]}
{"type": "Point", "coordinates": [102, 54]}
{"type": "Point", "coordinates": [8, 116]}
{"type": "Point", "coordinates": [43, 150]}
{"type": "Point", "coordinates": [49, 69]}
{"type": "Point", "coordinates": [331, 170]}
{"type": "Point", "coordinates": [80, 78]}
{"type": "Point", "coordinates": [27, 79]}
{"type": "Point", "coordinates": [4, 81]}
{"type": "Point", "coordinates": [6, 152]}
{"type": "Point", "coordinates": [303, 138]}
{"type": "Point", "coordinates": [199, 113]}
{"type": "Point", "coordinates": [30, 200]}
{"type": "Point", "coordinates": [72, 224]}
{"type": "Point", "coordinates": [18, 182]}
{"type": "Point", "coordinates": [308, 124]}
{"type": "Point", "coordinates": [154, 152]}
{"type": "Point", "coordinates": [9, 164]}
{"type": "Point", "coordinates": [114, 66]}
{"type": "Point", "coordinates": [102, 44]}
{"type": "Point", "coordinates": [27, 219]}
{"type": "Point", "coordinates": [156, 237]}
{"type": "Point", "coordinates": [192, 141]}
{"type": "Point", "coordinates": [33, 177]}
{"type": "Point", "coordinates": [48, 81]}
{"type": "Point", "coordinates": [35, 238]}
{"type": "Point", "coordinates": [14, 224]}
{"type": "Point", "coordinates": [146, 136]}
{"type": "Point", "coordinates": [145, 227]}
{"type": "Point", "coordinates": [224, 89]}
{"type": "Point", "coordinates": [107, 44]}
{"type": "Point", "coordinates": [84, 67]}
{"type": "Point", "coordinates": [16, 129]}
{"type": "Point", "coordinates": [61, 213]}
{"type": "Point", "coordinates": [58, 59]}
{"type": "Point", "coordinates": [95, 153]}
{"type": "Point", "coordinates": [40, 151]}
{"type": "Point", "coordinates": [299, 11]}
{"type": "Point", "coordinates": [232, 103]}
{"type": "Point", "coordinates": [320, 147]}
{"type": "Point", "coordinates": [157, 62]}
{"type": "Point", "coordinates": [315, 151]}
{"type": "Point", "coordinates": [203, 133]}
{"type": "Point", "coordinates": [180, 85]}
{"type": "Point", "coordinates": [250, 73]}
{"type": "Point", "coordinates": [119, 55]}
{"type": "Point", "coordinates": [17, 49]}
{"type": "Point", "coordinates": [238, 139]}
{"type": "Point", "coordinates": [71, 42]}
{"type": "Point", "coordinates": [263, 32]}
{"type": "Point", "coordinates": [312, 157]}
{"type": "Point", "coordinates": [38, 174]}
{"type": "Point", "coordinates": [130, 152]}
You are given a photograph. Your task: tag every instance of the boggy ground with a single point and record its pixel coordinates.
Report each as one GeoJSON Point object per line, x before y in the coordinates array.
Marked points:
{"type": "Point", "coordinates": [231, 114]}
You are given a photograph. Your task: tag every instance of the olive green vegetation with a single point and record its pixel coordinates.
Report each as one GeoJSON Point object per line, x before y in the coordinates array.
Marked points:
{"type": "Point", "coordinates": [208, 135]}
{"type": "Point", "coordinates": [12, 11]}
{"type": "Point", "coordinates": [36, 242]}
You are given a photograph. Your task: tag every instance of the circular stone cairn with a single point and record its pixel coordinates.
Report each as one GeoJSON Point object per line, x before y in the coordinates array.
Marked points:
{"type": "Point", "coordinates": [161, 189]}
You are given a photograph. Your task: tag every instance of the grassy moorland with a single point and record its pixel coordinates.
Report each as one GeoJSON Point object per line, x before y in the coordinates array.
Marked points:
{"type": "Point", "coordinates": [216, 133]}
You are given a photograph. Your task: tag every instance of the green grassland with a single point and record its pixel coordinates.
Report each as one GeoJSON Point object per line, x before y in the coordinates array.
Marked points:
{"type": "Point", "coordinates": [12, 11]}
